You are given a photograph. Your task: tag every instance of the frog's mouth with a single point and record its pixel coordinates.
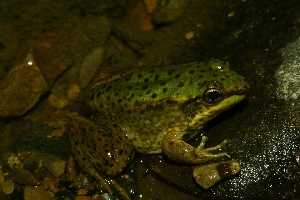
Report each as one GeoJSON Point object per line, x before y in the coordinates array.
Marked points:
{"type": "Point", "coordinates": [228, 102]}
{"type": "Point", "coordinates": [208, 112]}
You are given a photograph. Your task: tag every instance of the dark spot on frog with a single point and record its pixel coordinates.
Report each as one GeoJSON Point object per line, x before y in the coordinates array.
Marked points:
{"type": "Point", "coordinates": [84, 158]}
{"type": "Point", "coordinates": [155, 107]}
{"type": "Point", "coordinates": [132, 95]}
{"type": "Point", "coordinates": [154, 96]}
{"type": "Point", "coordinates": [181, 84]}
{"type": "Point", "coordinates": [164, 90]}
{"type": "Point", "coordinates": [108, 88]}
{"type": "Point", "coordinates": [171, 71]}
{"type": "Point", "coordinates": [144, 87]}
{"type": "Point", "coordinates": [120, 152]}
{"type": "Point", "coordinates": [139, 75]}
{"type": "Point", "coordinates": [177, 76]}
{"type": "Point", "coordinates": [103, 86]}
{"type": "Point", "coordinates": [156, 77]}
{"type": "Point", "coordinates": [128, 77]}
{"type": "Point", "coordinates": [129, 87]}
{"type": "Point", "coordinates": [129, 111]}
{"type": "Point", "coordinates": [76, 143]}
{"type": "Point", "coordinates": [146, 80]}
{"type": "Point", "coordinates": [191, 72]}
{"type": "Point", "coordinates": [99, 139]}
{"type": "Point", "coordinates": [151, 71]}
{"type": "Point", "coordinates": [200, 76]}
{"type": "Point", "coordinates": [171, 102]}
{"type": "Point", "coordinates": [163, 83]}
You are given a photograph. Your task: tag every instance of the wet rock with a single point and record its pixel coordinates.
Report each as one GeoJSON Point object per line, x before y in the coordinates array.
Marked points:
{"type": "Point", "coordinates": [128, 184]}
{"type": "Point", "coordinates": [107, 196]}
{"type": "Point", "coordinates": [25, 177]}
{"type": "Point", "coordinates": [8, 186]}
{"type": "Point", "coordinates": [92, 32]}
{"type": "Point", "coordinates": [83, 198]}
{"type": "Point", "coordinates": [111, 8]}
{"type": "Point", "coordinates": [31, 193]}
{"type": "Point", "coordinates": [22, 88]}
{"type": "Point", "coordinates": [12, 159]}
{"type": "Point", "coordinates": [289, 72]}
{"type": "Point", "coordinates": [168, 11]}
{"type": "Point", "coordinates": [90, 66]}
{"type": "Point", "coordinates": [55, 165]}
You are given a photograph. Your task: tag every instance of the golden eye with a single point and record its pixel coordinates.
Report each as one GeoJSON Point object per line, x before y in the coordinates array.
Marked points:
{"type": "Point", "coordinates": [212, 95]}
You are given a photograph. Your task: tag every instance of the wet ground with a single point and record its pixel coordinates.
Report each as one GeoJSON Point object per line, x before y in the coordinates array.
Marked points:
{"type": "Point", "coordinates": [69, 43]}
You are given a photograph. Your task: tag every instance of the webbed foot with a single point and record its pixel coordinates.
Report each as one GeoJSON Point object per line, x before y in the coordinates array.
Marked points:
{"type": "Point", "coordinates": [206, 151]}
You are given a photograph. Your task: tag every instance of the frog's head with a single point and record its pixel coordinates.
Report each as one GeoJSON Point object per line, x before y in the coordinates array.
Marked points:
{"type": "Point", "coordinates": [219, 89]}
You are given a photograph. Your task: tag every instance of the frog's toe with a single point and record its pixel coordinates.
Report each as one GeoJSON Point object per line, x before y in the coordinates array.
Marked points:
{"type": "Point", "coordinates": [111, 185]}
{"type": "Point", "coordinates": [207, 154]}
{"type": "Point", "coordinates": [217, 147]}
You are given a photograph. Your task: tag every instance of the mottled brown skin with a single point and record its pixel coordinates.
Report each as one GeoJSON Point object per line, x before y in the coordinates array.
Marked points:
{"type": "Point", "coordinates": [155, 110]}
{"type": "Point", "coordinates": [105, 145]}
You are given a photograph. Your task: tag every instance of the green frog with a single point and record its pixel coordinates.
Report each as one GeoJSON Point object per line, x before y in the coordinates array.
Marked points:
{"type": "Point", "coordinates": [152, 111]}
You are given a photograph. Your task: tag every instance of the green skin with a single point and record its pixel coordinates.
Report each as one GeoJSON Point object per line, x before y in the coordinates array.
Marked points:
{"type": "Point", "coordinates": [153, 111]}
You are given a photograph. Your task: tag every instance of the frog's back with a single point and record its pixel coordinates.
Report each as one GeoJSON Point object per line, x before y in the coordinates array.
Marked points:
{"type": "Point", "coordinates": [148, 103]}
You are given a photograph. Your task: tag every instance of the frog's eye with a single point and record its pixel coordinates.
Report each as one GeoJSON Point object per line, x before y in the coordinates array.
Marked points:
{"type": "Point", "coordinates": [212, 95]}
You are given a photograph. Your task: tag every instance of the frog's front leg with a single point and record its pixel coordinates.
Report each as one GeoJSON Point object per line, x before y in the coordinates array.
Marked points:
{"type": "Point", "coordinates": [177, 149]}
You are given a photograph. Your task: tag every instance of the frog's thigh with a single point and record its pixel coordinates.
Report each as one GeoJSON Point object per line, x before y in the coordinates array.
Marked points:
{"type": "Point", "coordinates": [177, 149]}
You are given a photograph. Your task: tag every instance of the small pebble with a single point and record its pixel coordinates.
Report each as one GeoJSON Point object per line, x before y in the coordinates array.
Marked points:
{"type": "Point", "coordinates": [8, 186]}
{"type": "Point", "coordinates": [83, 198]}
{"type": "Point", "coordinates": [107, 196]}
{"type": "Point", "coordinates": [31, 193]}
{"type": "Point", "coordinates": [58, 102]}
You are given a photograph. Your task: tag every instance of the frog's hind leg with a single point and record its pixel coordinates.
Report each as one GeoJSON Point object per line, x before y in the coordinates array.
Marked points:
{"type": "Point", "coordinates": [108, 182]}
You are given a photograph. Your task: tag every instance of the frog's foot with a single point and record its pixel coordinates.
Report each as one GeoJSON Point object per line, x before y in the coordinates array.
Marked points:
{"type": "Point", "coordinates": [110, 185]}
{"type": "Point", "coordinates": [217, 147]}
{"type": "Point", "coordinates": [180, 151]}
{"type": "Point", "coordinates": [205, 153]}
